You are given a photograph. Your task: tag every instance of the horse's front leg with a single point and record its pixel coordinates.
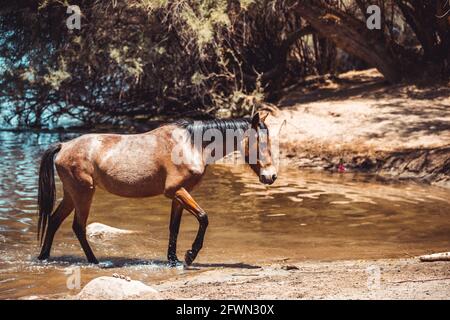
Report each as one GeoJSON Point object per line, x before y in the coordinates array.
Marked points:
{"type": "Point", "coordinates": [174, 227]}
{"type": "Point", "coordinates": [188, 203]}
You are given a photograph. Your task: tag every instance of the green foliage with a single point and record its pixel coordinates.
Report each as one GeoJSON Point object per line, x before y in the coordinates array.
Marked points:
{"type": "Point", "coordinates": [54, 78]}
{"type": "Point", "coordinates": [203, 19]}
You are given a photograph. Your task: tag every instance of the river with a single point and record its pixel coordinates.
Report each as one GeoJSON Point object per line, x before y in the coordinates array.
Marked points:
{"type": "Point", "coordinates": [303, 216]}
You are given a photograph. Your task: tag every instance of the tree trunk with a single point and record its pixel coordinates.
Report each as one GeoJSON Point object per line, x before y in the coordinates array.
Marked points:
{"type": "Point", "coordinates": [421, 17]}
{"type": "Point", "coordinates": [352, 36]}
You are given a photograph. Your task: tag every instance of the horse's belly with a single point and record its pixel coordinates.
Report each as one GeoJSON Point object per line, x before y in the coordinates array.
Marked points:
{"type": "Point", "coordinates": [131, 182]}
{"type": "Point", "coordinates": [131, 191]}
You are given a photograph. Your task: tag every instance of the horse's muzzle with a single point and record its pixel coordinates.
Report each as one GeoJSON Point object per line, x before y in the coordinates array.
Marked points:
{"type": "Point", "coordinates": [268, 179]}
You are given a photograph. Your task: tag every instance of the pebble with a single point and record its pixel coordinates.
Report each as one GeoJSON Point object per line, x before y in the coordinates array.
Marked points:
{"type": "Point", "coordinates": [121, 276]}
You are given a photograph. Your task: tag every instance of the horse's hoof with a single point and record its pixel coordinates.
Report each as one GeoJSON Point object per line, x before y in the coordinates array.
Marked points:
{"type": "Point", "coordinates": [189, 257]}
{"type": "Point", "coordinates": [93, 261]}
{"type": "Point", "coordinates": [43, 256]}
{"type": "Point", "coordinates": [175, 263]}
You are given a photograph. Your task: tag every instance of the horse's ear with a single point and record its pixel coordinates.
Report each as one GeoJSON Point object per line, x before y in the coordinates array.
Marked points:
{"type": "Point", "coordinates": [255, 120]}
{"type": "Point", "coordinates": [263, 116]}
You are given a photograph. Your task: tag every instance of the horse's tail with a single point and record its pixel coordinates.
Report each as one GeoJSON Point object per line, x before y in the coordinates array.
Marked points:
{"type": "Point", "coordinates": [47, 189]}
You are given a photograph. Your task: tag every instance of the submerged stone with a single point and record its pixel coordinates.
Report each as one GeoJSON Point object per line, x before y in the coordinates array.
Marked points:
{"type": "Point", "coordinates": [100, 231]}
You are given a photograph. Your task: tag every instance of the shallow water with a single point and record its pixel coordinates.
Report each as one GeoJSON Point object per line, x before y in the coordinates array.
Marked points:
{"type": "Point", "coordinates": [303, 216]}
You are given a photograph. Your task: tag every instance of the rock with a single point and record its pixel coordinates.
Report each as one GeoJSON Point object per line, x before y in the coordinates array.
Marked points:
{"type": "Point", "coordinates": [441, 256]}
{"type": "Point", "coordinates": [2, 238]}
{"type": "Point", "coordinates": [289, 267]}
{"type": "Point", "coordinates": [31, 298]}
{"type": "Point", "coordinates": [100, 231]}
{"type": "Point", "coordinates": [109, 288]}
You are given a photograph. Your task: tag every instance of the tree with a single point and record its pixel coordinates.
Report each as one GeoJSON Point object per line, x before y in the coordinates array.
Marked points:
{"type": "Point", "coordinates": [379, 48]}
{"type": "Point", "coordinates": [155, 59]}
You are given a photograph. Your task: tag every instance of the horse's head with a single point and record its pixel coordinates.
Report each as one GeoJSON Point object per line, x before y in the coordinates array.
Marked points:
{"type": "Point", "coordinates": [257, 150]}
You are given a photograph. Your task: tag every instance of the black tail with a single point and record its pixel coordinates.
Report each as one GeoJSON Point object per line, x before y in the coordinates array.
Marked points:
{"type": "Point", "coordinates": [47, 189]}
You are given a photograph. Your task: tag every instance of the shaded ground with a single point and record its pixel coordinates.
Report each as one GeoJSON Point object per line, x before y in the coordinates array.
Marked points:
{"type": "Point", "coordinates": [401, 130]}
{"type": "Point", "coordinates": [359, 279]}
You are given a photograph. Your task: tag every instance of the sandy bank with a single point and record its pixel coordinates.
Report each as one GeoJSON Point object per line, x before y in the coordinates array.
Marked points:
{"type": "Point", "coordinates": [400, 131]}
{"type": "Point", "coordinates": [345, 279]}
{"type": "Point", "coordinates": [358, 279]}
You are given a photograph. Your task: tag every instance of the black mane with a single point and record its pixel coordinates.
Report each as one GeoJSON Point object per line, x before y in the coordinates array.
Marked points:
{"type": "Point", "coordinates": [197, 128]}
{"type": "Point", "coordinates": [201, 126]}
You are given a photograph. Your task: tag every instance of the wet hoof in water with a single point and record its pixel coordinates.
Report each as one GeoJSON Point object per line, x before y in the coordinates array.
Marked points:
{"type": "Point", "coordinates": [175, 263]}
{"type": "Point", "coordinates": [43, 256]}
{"type": "Point", "coordinates": [93, 261]}
{"type": "Point", "coordinates": [189, 257]}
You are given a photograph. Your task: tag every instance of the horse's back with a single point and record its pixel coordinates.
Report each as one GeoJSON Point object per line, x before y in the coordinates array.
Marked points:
{"type": "Point", "coordinates": [138, 165]}
{"type": "Point", "coordinates": [126, 165]}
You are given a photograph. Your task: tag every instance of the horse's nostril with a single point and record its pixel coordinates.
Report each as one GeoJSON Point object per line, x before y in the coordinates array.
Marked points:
{"type": "Point", "coordinates": [274, 177]}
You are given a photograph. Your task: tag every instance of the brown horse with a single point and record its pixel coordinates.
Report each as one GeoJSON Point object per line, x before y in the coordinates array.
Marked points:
{"type": "Point", "coordinates": [141, 165]}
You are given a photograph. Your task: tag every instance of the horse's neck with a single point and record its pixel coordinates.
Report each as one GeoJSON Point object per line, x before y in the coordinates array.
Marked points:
{"type": "Point", "coordinates": [226, 149]}
{"type": "Point", "coordinates": [230, 131]}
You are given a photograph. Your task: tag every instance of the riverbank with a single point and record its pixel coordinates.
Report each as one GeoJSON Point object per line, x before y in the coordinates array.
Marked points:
{"type": "Point", "coordinates": [351, 279]}
{"type": "Point", "coordinates": [360, 122]}
{"type": "Point", "coordinates": [355, 279]}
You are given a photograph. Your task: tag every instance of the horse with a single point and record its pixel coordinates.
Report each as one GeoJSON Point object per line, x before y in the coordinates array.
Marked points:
{"type": "Point", "coordinates": [137, 166]}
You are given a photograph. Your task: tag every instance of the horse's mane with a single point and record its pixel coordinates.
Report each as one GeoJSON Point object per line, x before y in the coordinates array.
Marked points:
{"type": "Point", "coordinates": [199, 127]}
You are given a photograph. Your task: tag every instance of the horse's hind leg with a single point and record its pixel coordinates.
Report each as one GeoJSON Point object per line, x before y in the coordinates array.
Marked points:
{"type": "Point", "coordinates": [61, 213]}
{"type": "Point", "coordinates": [174, 227]}
{"type": "Point", "coordinates": [82, 207]}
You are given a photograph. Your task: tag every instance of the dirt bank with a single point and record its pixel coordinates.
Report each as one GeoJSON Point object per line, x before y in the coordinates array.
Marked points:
{"type": "Point", "coordinates": [359, 279]}
{"type": "Point", "coordinates": [400, 131]}
{"type": "Point", "coordinates": [345, 279]}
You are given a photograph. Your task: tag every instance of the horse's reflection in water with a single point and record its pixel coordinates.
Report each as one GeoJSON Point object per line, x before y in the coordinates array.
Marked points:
{"type": "Point", "coordinates": [143, 165]}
